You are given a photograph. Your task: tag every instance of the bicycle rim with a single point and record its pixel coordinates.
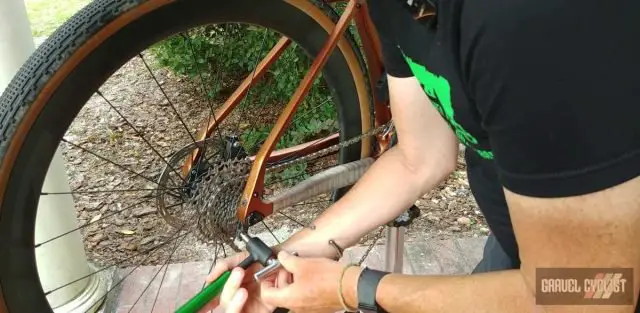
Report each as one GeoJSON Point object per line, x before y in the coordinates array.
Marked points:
{"type": "Point", "coordinates": [98, 62]}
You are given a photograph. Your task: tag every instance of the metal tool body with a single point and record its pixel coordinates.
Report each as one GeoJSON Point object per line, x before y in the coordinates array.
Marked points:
{"type": "Point", "coordinates": [258, 252]}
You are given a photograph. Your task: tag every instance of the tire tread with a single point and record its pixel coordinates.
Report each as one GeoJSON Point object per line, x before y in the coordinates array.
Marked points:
{"type": "Point", "coordinates": [36, 72]}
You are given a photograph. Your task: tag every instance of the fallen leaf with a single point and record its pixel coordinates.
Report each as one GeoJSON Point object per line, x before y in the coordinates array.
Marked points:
{"type": "Point", "coordinates": [463, 220]}
{"type": "Point", "coordinates": [95, 218]}
{"type": "Point", "coordinates": [126, 232]}
{"type": "Point", "coordinates": [97, 238]}
{"type": "Point", "coordinates": [144, 211]}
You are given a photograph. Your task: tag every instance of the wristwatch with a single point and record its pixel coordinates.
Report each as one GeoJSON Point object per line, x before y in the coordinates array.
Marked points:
{"type": "Point", "coordinates": [367, 286]}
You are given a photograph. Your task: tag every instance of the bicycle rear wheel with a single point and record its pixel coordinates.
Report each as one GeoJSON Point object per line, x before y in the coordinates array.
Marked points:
{"type": "Point", "coordinates": [40, 106]}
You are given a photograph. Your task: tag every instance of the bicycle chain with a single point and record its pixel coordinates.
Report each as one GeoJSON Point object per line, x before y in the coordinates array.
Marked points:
{"type": "Point", "coordinates": [336, 147]}
{"type": "Point", "coordinates": [372, 245]}
{"type": "Point", "coordinates": [217, 196]}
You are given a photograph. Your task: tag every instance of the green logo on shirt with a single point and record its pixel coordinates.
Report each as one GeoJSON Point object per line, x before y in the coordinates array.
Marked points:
{"type": "Point", "coordinates": [438, 90]}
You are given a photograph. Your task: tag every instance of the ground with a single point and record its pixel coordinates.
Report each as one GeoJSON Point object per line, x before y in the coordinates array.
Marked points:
{"type": "Point", "coordinates": [448, 211]}
{"type": "Point", "coordinates": [119, 226]}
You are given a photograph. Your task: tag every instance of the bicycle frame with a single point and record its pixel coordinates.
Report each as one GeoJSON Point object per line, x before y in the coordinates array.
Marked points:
{"type": "Point", "coordinates": [251, 200]}
{"type": "Point", "coordinates": [252, 208]}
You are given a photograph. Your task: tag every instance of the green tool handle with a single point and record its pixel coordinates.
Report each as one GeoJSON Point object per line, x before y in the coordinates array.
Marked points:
{"type": "Point", "coordinates": [207, 294]}
{"type": "Point", "coordinates": [211, 291]}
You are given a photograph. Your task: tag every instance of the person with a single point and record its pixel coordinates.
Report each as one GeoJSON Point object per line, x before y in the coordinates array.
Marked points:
{"type": "Point", "coordinates": [543, 95]}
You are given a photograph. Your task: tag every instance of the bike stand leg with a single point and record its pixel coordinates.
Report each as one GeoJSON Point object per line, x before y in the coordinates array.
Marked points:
{"type": "Point", "coordinates": [394, 248]}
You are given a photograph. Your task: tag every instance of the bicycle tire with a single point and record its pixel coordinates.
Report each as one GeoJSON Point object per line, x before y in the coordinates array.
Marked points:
{"type": "Point", "coordinates": [56, 81]}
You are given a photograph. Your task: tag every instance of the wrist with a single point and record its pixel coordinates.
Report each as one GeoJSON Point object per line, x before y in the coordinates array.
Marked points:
{"type": "Point", "coordinates": [309, 243]}
{"type": "Point", "coordinates": [350, 286]}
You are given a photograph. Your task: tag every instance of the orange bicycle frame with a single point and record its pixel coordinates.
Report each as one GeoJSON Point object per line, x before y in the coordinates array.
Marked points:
{"type": "Point", "coordinates": [251, 208]}
{"type": "Point", "coordinates": [251, 199]}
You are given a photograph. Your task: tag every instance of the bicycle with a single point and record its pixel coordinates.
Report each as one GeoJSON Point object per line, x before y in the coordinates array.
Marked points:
{"type": "Point", "coordinates": [65, 76]}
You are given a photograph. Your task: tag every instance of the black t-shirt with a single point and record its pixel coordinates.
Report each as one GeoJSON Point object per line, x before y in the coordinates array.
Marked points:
{"type": "Point", "coordinates": [544, 94]}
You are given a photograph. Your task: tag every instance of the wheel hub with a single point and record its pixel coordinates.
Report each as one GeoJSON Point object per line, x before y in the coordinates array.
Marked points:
{"type": "Point", "coordinates": [211, 190]}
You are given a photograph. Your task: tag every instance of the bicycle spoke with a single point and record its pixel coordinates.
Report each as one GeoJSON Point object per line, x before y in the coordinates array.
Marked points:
{"type": "Point", "coordinates": [128, 274]}
{"type": "Point", "coordinates": [204, 88]}
{"type": "Point", "coordinates": [308, 203]}
{"type": "Point", "coordinates": [271, 232]}
{"type": "Point", "coordinates": [257, 143]}
{"type": "Point", "coordinates": [312, 110]}
{"type": "Point", "coordinates": [213, 263]}
{"type": "Point", "coordinates": [211, 111]}
{"type": "Point", "coordinates": [112, 184]}
{"type": "Point", "coordinates": [253, 75]}
{"type": "Point", "coordinates": [160, 245]}
{"type": "Point", "coordinates": [91, 222]}
{"type": "Point", "coordinates": [165, 266]}
{"type": "Point", "coordinates": [291, 218]}
{"type": "Point", "coordinates": [224, 252]}
{"type": "Point", "coordinates": [118, 165]}
{"type": "Point", "coordinates": [141, 136]}
{"type": "Point", "coordinates": [106, 191]}
{"type": "Point", "coordinates": [173, 107]}
{"type": "Point", "coordinates": [212, 156]}
{"type": "Point", "coordinates": [172, 238]}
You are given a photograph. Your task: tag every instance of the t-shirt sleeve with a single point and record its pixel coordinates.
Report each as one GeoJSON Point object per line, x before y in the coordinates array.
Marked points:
{"type": "Point", "coordinates": [382, 13]}
{"type": "Point", "coordinates": [557, 90]}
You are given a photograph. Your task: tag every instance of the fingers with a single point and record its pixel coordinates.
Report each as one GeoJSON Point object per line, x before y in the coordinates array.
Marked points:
{"type": "Point", "coordinates": [277, 293]}
{"type": "Point", "coordinates": [225, 265]}
{"type": "Point", "coordinates": [274, 295]}
{"type": "Point", "coordinates": [228, 297]}
{"type": "Point", "coordinates": [283, 279]}
{"type": "Point", "coordinates": [288, 261]}
{"type": "Point", "coordinates": [237, 302]}
{"type": "Point", "coordinates": [210, 306]}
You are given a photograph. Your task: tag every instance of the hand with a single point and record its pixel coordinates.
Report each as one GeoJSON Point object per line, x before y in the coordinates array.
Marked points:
{"type": "Point", "coordinates": [241, 293]}
{"type": "Point", "coordinates": [315, 284]}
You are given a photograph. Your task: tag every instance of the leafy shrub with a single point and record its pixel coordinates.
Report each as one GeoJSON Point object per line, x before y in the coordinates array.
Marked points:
{"type": "Point", "coordinates": [231, 51]}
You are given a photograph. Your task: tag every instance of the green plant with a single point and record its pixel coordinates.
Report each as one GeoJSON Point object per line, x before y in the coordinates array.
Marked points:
{"type": "Point", "coordinates": [223, 55]}
{"type": "Point", "coordinates": [46, 16]}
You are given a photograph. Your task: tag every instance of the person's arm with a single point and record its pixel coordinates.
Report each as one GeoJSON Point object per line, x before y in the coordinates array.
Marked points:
{"type": "Point", "coordinates": [562, 116]}
{"type": "Point", "coordinates": [599, 230]}
{"type": "Point", "coordinates": [426, 154]}
{"type": "Point", "coordinates": [596, 230]}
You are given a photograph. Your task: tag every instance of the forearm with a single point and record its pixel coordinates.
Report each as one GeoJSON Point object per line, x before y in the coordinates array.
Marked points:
{"type": "Point", "coordinates": [426, 153]}
{"type": "Point", "coordinates": [387, 189]}
{"type": "Point", "coordinates": [495, 292]}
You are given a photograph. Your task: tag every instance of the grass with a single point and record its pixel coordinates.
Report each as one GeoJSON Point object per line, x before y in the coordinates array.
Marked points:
{"type": "Point", "coordinates": [47, 15]}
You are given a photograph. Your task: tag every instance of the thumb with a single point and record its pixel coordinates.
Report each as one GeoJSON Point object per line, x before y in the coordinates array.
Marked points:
{"type": "Point", "coordinates": [288, 261]}
{"type": "Point", "coordinates": [274, 296]}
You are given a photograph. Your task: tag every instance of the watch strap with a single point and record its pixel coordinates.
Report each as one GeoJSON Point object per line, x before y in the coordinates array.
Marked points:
{"type": "Point", "coordinates": [367, 286]}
